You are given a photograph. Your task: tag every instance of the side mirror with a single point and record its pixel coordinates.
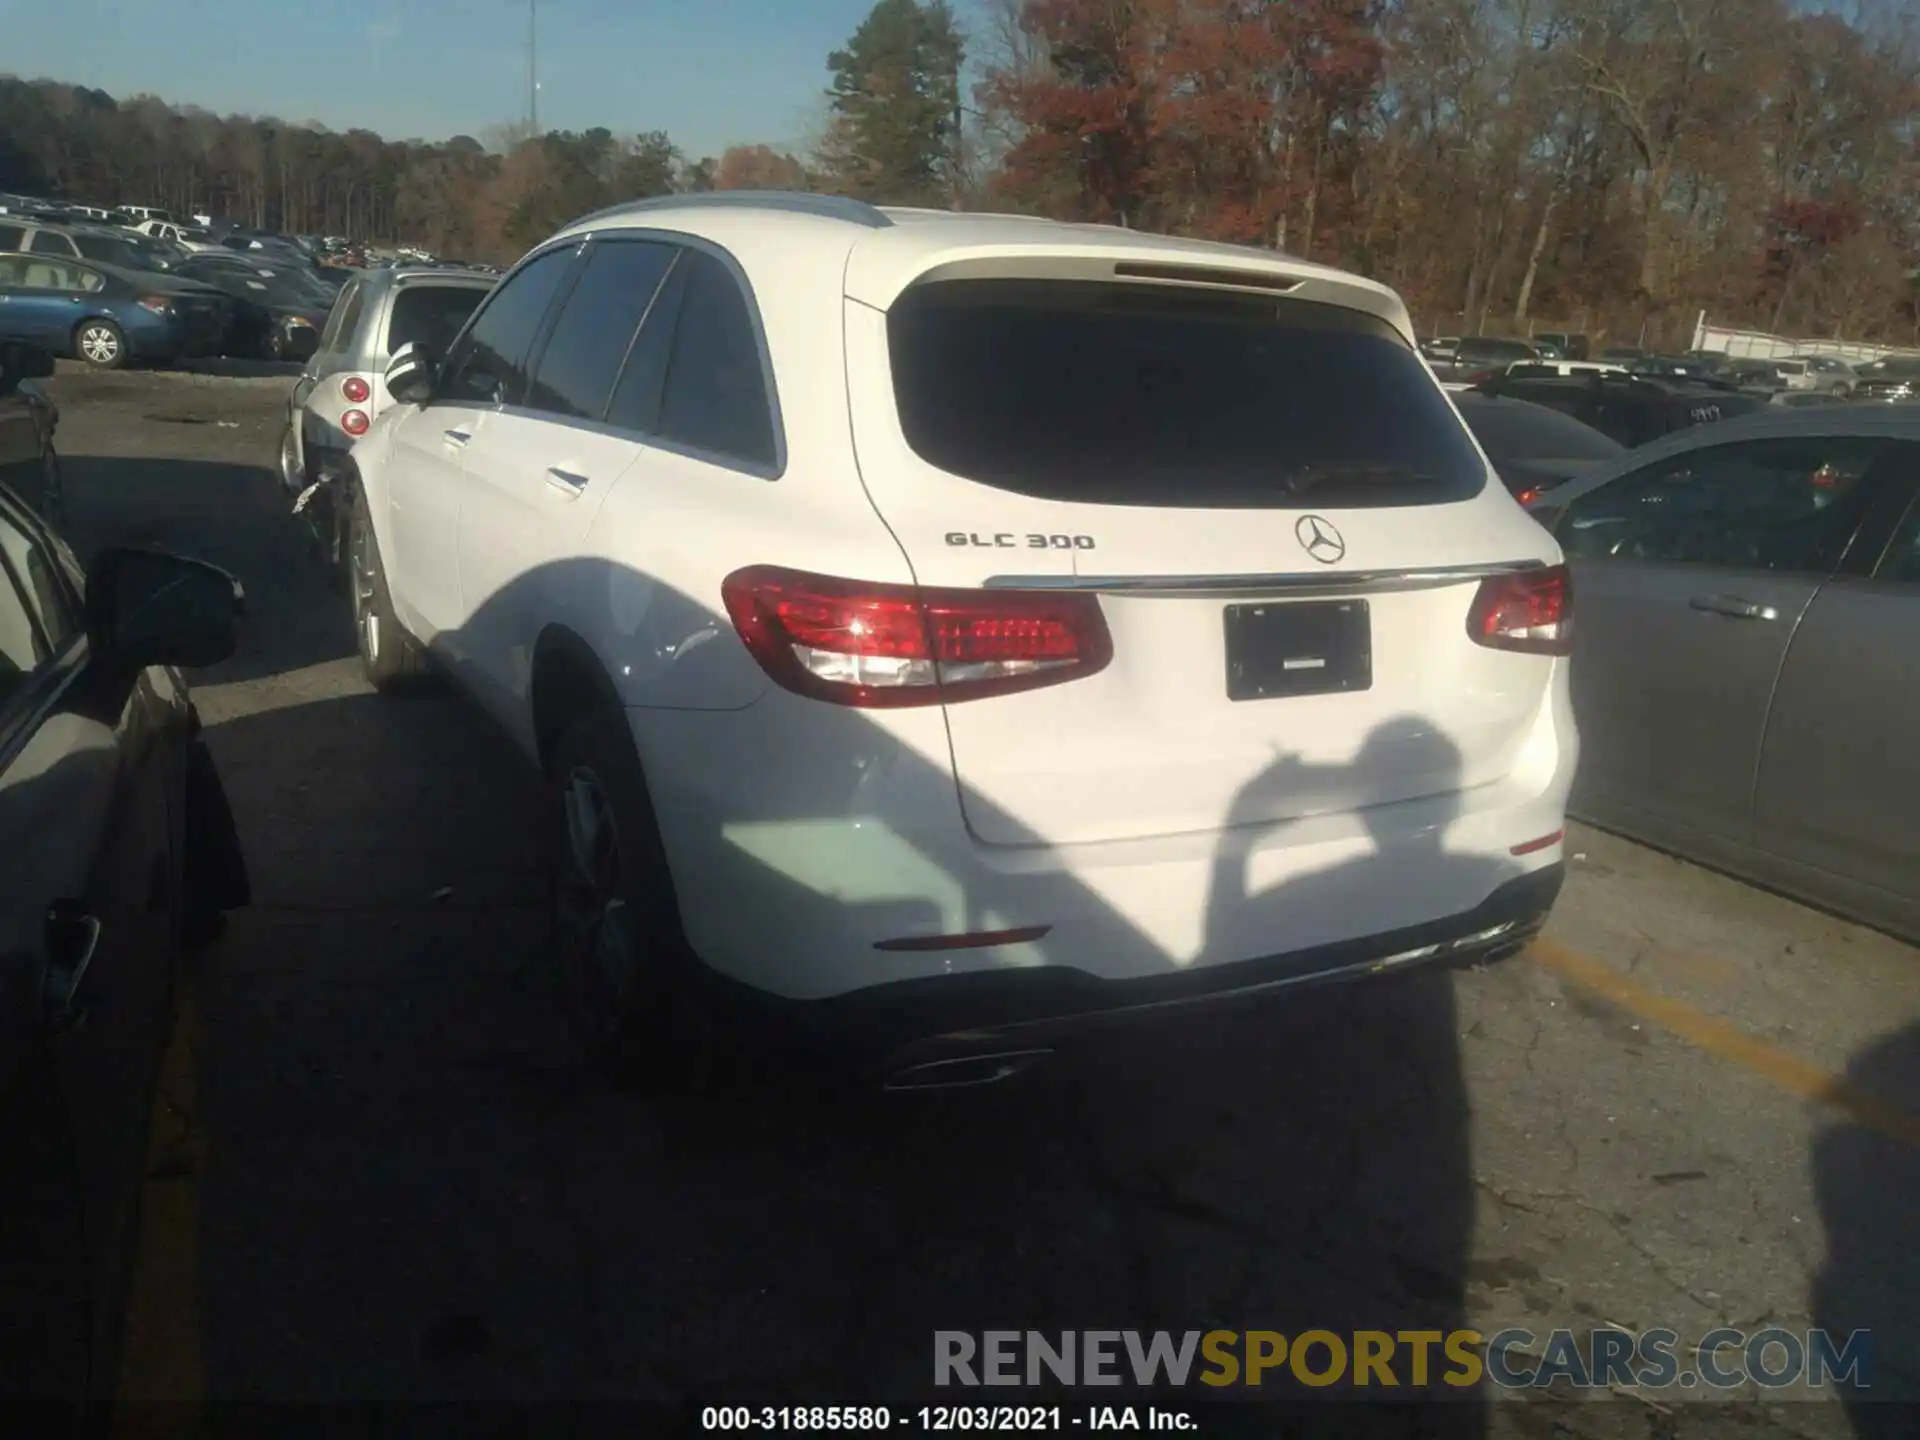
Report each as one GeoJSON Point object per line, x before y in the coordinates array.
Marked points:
{"type": "Point", "coordinates": [411, 374]}
{"type": "Point", "coordinates": [147, 607]}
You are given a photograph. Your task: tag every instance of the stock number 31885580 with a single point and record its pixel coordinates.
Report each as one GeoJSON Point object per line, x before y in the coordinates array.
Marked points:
{"type": "Point", "coordinates": [1005, 540]}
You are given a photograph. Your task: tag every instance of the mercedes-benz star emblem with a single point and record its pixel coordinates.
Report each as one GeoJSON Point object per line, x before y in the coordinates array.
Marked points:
{"type": "Point", "coordinates": [1319, 539]}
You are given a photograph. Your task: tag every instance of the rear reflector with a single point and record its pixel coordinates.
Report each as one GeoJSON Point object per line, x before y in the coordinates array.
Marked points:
{"type": "Point", "coordinates": [355, 422]}
{"type": "Point", "coordinates": [1545, 842]}
{"type": "Point", "coordinates": [1529, 610]}
{"type": "Point", "coordinates": [852, 642]}
{"type": "Point", "coordinates": [355, 389]}
{"type": "Point", "coordinates": [972, 940]}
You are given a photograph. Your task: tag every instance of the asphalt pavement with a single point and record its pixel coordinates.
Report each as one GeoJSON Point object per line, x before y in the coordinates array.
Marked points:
{"type": "Point", "coordinates": [378, 1176]}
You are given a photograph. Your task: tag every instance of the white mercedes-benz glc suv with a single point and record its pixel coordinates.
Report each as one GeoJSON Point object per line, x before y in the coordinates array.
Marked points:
{"type": "Point", "coordinates": [940, 631]}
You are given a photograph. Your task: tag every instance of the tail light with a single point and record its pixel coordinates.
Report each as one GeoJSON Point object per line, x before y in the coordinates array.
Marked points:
{"type": "Point", "coordinates": [1481, 377]}
{"type": "Point", "coordinates": [355, 389]}
{"type": "Point", "coordinates": [852, 642]}
{"type": "Point", "coordinates": [1529, 610]}
{"type": "Point", "coordinates": [158, 304]}
{"type": "Point", "coordinates": [355, 422]}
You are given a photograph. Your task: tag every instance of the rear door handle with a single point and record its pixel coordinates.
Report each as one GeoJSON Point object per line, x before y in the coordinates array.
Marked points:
{"type": "Point", "coordinates": [456, 438]}
{"type": "Point", "coordinates": [1734, 606]}
{"type": "Point", "coordinates": [566, 481]}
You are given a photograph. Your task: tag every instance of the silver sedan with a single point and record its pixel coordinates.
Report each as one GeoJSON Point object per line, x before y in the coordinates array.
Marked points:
{"type": "Point", "coordinates": [1746, 668]}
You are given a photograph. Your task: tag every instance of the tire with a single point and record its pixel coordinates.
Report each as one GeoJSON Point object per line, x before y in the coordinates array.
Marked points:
{"type": "Point", "coordinates": [390, 658]}
{"type": "Point", "coordinates": [623, 967]}
{"type": "Point", "coordinates": [100, 344]}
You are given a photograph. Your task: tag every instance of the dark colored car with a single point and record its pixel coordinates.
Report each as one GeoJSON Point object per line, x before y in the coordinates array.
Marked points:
{"type": "Point", "coordinates": [1574, 347]}
{"type": "Point", "coordinates": [1628, 408]}
{"type": "Point", "coordinates": [117, 852]}
{"type": "Point", "coordinates": [1744, 682]}
{"type": "Point", "coordinates": [123, 249]}
{"type": "Point", "coordinates": [1480, 356]}
{"type": "Point", "coordinates": [107, 316]}
{"type": "Point", "coordinates": [282, 252]}
{"type": "Point", "coordinates": [279, 311]}
{"type": "Point", "coordinates": [1895, 379]}
{"type": "Point", "coordinates": [1533, 447]}
{"type": "Point", "coordinates": [1667, 367]}
{"type": "Point", "coordinates": [28, 419]}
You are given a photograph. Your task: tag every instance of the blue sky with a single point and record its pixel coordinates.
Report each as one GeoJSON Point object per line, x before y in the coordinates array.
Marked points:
{"type": "Point", "coordinates": [710, 72]}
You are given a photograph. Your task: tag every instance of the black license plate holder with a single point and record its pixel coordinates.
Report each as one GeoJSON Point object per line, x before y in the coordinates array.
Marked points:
{"type": "Point", "coordinates": [1285, 649]}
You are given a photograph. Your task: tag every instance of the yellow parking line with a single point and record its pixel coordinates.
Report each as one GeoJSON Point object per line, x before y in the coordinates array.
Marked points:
{"type": "Point", "coordinates": [1728, 1042]}
{"type": "Point", "coordinates": [162, 1381]}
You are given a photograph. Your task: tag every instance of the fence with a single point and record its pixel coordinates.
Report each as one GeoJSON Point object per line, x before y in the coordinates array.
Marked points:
{"type": "Point", "coordinates": [1758, 345]}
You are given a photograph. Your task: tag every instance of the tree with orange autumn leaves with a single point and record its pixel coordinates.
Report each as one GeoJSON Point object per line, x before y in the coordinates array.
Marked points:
{"type": "Point", "coordinates": [1610, 164]}
{"type": "Point", "coordinates": [1222, 118]}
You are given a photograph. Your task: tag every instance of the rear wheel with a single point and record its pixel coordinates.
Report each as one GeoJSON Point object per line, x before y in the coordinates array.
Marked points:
{"type": "Point", "coordinates": [100, 344]}
{"type": "Point", "coordinates": [389, 657]}
{"type": "Point", "coordinates": [622, 960]}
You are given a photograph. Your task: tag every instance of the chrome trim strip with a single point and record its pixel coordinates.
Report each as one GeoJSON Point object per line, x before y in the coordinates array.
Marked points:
{"type": "Point", "coordinates": [1506, 932]}
{"type": "Point", "coordinates": [1291, 582]}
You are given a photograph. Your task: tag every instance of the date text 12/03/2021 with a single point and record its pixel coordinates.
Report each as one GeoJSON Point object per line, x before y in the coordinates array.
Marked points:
{"type": "Point", "coordinates": [945, 1418]}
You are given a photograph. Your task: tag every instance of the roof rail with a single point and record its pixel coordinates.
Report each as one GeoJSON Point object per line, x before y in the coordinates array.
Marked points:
{"type": "Point", "coordinates": [796, 202]}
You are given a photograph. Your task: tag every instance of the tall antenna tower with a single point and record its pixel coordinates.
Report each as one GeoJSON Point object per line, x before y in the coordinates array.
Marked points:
{"type": "Point", "coordinates": [533, 70]}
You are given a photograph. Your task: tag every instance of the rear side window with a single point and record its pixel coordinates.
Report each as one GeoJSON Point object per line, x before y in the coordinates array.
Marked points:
{"type": "Point", "coordinates": [1510, 430]}
{"type": "Point", "coordinates": [10, 237]}
{"type": "Point", "coordinates": [1902, 560]}
{"type": "Point", "coordinates": [1141, 395]}
{"type": "Point", "coordinates": [596, 327]}
{"type": "Point", "coordinates": [716, 391]}
{"type": "Point", "coordinates": [46, 242]}
{"type": "Point", "coordinates": [1481, 348]}
{"type": "Point", "coordinates": [430, 315]}
{"type": "Point", "coordinates": [345, 318]}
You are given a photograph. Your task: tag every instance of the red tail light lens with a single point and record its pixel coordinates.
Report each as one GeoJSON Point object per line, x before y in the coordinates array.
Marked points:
{"type": "Point", "coordinates": [355, 389]}
{"type": "Point", "coordinates": [851, 642]}
{"type": "Point", "coordinates": [1530, 610]}
{"type": "Point", "coordinates": [355, 422]}
{"type": "Point", "coordinates": [1481, 377]}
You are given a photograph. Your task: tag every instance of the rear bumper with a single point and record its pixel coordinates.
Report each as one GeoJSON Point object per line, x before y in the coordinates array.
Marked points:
{"type": "Point", "coordinates": [886, 1028]}
{"type": "Point", "coordinates": [821, 855]}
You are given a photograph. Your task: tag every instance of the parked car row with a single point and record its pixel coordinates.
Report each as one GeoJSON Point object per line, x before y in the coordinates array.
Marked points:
{"type": "Point", "coordinates": [160, 292]}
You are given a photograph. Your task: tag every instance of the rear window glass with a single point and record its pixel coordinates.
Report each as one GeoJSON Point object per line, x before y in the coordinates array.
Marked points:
{"type": "Point", "coordinates": [1511, 430]}
{"type": "Point", "coordinates": [1500, 349]}
{"type": "Point", "coordinates": [1147, 395]}
{"type": "Point", "coordinates": [431, 315]}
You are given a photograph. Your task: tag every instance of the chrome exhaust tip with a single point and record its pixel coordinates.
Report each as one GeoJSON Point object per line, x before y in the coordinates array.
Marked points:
{"type": "Point", "coordinates": [966, 1071]}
